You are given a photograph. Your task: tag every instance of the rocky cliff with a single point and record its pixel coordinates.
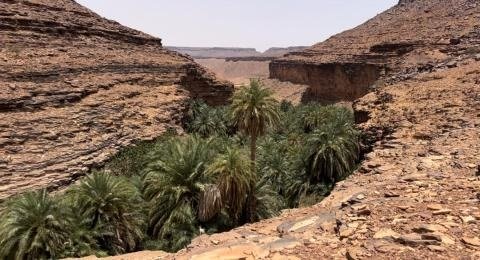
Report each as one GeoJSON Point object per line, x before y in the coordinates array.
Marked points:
{"type": "Point", "coordinates": [412, 35]}
{"type": "Point", "coordinates": [417, 193]}
{"type": "Point", "coordinates": [75, 88]}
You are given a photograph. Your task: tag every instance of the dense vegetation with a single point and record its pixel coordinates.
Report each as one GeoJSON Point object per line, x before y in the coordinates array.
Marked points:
{"type": "Point", "coordinates": [237, 164]}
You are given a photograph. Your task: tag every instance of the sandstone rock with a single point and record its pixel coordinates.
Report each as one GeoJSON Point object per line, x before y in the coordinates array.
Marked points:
{"type": "Point", "coordinates": [435, 207]}
{"type": "Point", "coordinates": [414, 177]}
{"type": "Point", "coordinates": [391, 194]}
{"type": "Point", "coordinates": [436, 248]}
{"type": "Point", "coordinates": [81, 88]}
{"type": "Point", "coordinates": [429, 228]}
{"type": "Point", "coordinates": [442, 212]}
{"type": "Point", "coordinates": [471, 241]}
{"type": "Point", "coordinates": [452, 64]}
{"type": "Point", "coordinates": [445, 239]}
{"type": "Point", "coordinates": [468, 219]}
{"type": "Point", "coordinates": [415, 240]}
{"type": "Point", "coordinates": [404, 207]}
{"type": "Point", "coordinates": [354, 253]}
{"type": "Point", "coordinates": [278, 256]}
{"type": "Point", "coordinates": [360, 196]}
{"type": "Point", "coordinates": [386, 233]}
{"type": "Point", "coordinates": [325, 220]}
{"type": "Point", "coordinates": [388, 248]}
{"type": "Point", "coordinates": [237, 251]}
{"type": "Point", "coordinates": [346, 232]}
{"type": "Point", "coordinates": [283, 243]}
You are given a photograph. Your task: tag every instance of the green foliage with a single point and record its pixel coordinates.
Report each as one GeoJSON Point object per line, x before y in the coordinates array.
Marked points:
{"type": "Point", "coordinates": [159, 195]}
{"type": "Point", "coordinates": [334, 152]}
{"type": "Point", "coordinates": [268, 202]}
{"type": "Point", "coordinates": [131, 161]}
{"type": "Point", "coordinates": [32, 226]}
{"type": "Point", "coordinates": [207, 121]}
{"type": "Point", "coordinates": [286, 106]}
{"type": "Point", "coordinates": [234, 179]}
{"type": "Point", "coordinates": [314, 147]}
{"type": "Point", "coordinates": [254, 109]}
{"type": "Point", "coordinates": [110, 207]}
{"type": "Point", "coordinates": [174, 181]}
{"type": "Point", "coordinates": [82, 240]}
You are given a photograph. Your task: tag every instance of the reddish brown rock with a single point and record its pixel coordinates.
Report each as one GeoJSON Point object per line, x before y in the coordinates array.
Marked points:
{"type": "Point", "coordinates": [413, 36]}
{"type": "Point", "coordinates": [75, 88]}
{"type": "Point", "coordinates": [422, 124]}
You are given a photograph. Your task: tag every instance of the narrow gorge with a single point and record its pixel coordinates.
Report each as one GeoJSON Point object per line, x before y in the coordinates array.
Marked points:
{"type": "Point", "coordinates": [76, 88]}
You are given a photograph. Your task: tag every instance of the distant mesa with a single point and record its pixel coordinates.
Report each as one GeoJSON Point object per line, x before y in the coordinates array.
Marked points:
{"type": "Point", "coordinates": [233, 53]}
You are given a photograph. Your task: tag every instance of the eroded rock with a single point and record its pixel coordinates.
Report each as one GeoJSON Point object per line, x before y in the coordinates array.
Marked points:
{"type": "Point", "coordinates": [76, 88]}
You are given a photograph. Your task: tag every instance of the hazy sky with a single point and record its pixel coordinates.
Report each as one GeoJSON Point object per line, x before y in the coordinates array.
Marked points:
{"type": "Point", "coordinates": [240, 23]}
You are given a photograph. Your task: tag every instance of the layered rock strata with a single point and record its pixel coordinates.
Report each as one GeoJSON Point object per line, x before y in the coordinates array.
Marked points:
{"type": "Point", "coordinates": [409, 37]}
{"type": "Point", "coordinates": [417, 194]}
{"type": "Point", "coordinates": [75, 88]}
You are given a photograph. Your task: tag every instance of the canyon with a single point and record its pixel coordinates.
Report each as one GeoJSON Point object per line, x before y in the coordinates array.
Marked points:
{"type": "Point", "coordinates": [413, 75]}
{"type": "Point", "coordinates": [413, 35]}
{"type": "Point", "coordinates": [239, 65]}
{"type": "Point", "coordinates": [76, 88]}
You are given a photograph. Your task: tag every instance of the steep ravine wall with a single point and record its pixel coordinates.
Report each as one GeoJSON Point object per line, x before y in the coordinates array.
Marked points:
{"type": "Point", "coordinates": [412, 36]}
{"type": "Point", "coordinates": [75, 88]}
{"type": "Point", "coordinates": [329, 81]}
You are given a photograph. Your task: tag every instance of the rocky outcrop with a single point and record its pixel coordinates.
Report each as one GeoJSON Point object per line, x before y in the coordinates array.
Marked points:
{"type": "Point", "coordinates": [417, 193]}
{"type": "Point", "coordinates": [76, 88]}
{"type": "Point", "coordinates": [240, 73]}
{"type": "Point", "coordinates": [416, 196]}
{"type": "Point", "coordinates": [328, 81]}
{"type": "Point", "coordinates": [410, 37]}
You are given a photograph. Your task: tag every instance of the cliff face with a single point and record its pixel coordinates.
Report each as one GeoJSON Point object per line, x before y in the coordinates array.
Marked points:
{"type": "Point", "coordinates": [76, 88]}
{"type": "Point", "coordinates": [328, 81]}
{"type": "Point", "coordinates": [412, 36]}
{"type": "Point", "coordinates": [416, 195]}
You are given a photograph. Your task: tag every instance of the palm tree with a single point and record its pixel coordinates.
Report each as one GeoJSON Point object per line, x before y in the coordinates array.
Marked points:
{"type": "Point", "coordinates": [334, 152]}
{"type": "Point", "coordinates": [235, 179]}
{"type": "Point", "coordinates": [82, 240]}
{"type": "Point", "coordinates": [174, 183]}
{"type": "Point", "coordinates": [111, 206]}
{"type": "Point", "coordinates": [254, 110]}
{"type": "Point", "coordinates": [206, 121]}
{"type": "Point", "coordinates": [32, 226]}
{"type": "Point", "coordinates": [315, 115]}
{"type": "Point", "coordinates": [274, 162]}
{"type": "Point", "coordinates": [209, 122]}
{"type": "Point", "coordinates": [268, 202]}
